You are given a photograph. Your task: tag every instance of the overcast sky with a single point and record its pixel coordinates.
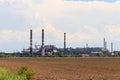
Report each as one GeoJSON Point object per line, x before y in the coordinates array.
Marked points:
{"type": "Point", "coordinates": [84, 21]}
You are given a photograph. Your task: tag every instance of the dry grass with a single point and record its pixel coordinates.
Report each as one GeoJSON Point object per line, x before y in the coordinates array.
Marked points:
{"type": "Point", "coordinates": [67, 68]}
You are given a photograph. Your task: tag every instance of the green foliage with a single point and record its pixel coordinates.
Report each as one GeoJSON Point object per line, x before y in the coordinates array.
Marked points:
{"type": "Point", "coordinates": [25, 73]}
{"type": "Point", "coordinates": [101, 54]}
{"type": "Point", "coordinates": [6, 75]}
{"type": "Point", "coordinates": [4, 55]}
{"type": "Point", "coordinates": [62, 54]}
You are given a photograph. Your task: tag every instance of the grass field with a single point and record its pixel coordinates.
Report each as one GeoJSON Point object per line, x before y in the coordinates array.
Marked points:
{"type": "Point", "coordinates": [67, 68]}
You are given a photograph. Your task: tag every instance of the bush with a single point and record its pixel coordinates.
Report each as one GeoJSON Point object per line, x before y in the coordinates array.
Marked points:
{"type": "Point", "coordinates": [25, 73]}
{"type": "Point", "coordinates": [7, 75]}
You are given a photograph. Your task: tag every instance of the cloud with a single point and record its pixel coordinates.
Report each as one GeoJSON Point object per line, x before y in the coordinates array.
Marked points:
{"type": "Point", "coordinates": [11, 36]}
{"type": "Point", "coordinates": [113, 32]}
{"type": "Point", "coordinates": [51, 33]}
{"type": "Point", "coordinates": [114, 29]}
{"type": "Point", "coordinates": [93, 0]}
{"type": "Point", "coordinates": [82, 21]}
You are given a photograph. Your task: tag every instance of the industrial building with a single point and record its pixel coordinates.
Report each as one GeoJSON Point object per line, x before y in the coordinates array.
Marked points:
{"type": "Point", "coordinates": [49, 49]}
{"type": "Point", "coordinates": [46, 50]}
{"type": "Point", "coordinates": [39, 49]}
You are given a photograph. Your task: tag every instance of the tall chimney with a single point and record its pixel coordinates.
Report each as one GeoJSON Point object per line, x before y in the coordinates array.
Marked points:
{"type": "Point", "coordinates": [43, 48]}
{"type": "Point", "coordinates": [86, 45]}
{"type": "Point", "coordinates": [64, 40]}
{"type": "Point", "coordinates": [31, 42]}
{"type": "Point", "coordinates": [111, 47]}
{"type": "Point", "coordinates": [104, 44]}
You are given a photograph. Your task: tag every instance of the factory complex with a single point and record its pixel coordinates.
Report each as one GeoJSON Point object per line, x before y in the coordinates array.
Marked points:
{"type": "Point", "coordinates": [52, 50]}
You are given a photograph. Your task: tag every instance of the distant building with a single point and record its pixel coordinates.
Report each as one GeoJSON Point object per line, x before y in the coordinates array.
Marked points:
{"type": "Point", "coordinates": [49, 49]}
{"type": "Point", "coordinates": [85, 55]}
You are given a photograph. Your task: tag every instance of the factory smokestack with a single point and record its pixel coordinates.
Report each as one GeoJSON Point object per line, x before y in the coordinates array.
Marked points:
{"type": "Point", "coordinates": [111, 47]}
{"type": "Point", "coordinates": [64, 41]}
{"type": "Point", "coordinates": [105, 44]}
{"type": "Point", "coordinates": [43, 48]}
{"type": "Point", "coordinates": [86, 45]}
{"type": "Point", "coordinates": [31, 42]}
